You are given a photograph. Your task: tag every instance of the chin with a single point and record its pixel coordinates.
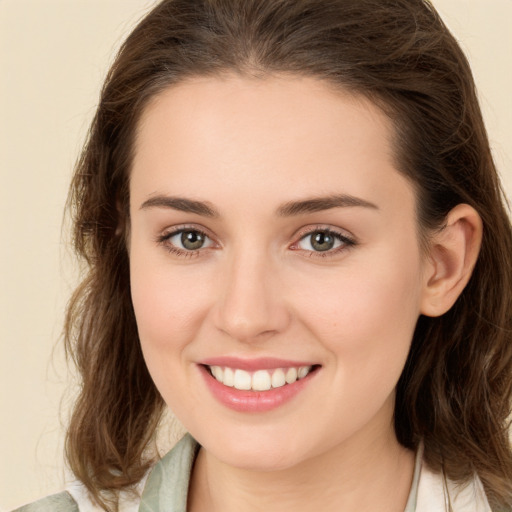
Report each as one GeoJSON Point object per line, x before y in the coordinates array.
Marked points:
{"type": "Point", "coordinates": [262, 451]}
{"type": "Point", "coordinates": [258, 461]}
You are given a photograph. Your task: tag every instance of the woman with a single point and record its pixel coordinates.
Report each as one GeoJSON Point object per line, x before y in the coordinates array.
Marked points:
{"type": "Point", "coordinates": [297, 241]}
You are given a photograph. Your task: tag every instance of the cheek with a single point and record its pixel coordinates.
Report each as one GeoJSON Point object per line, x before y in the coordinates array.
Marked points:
{"type": "Point", "coordinates": [169, 307]}
{"type": "Point", "coordinates": [365, 313]}
{"type": "Point", "coordinates": [169, 301]}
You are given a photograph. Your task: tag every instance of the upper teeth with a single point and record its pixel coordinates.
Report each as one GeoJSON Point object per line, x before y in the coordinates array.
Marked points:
{"type": "Point", "coordinates": [261, 380]}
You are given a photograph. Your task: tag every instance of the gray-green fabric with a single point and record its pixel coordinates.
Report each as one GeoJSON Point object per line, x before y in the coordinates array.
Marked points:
{"type": "Point", "coordinates": [175, 467]}
{"type": "Point", "coordinates": [166, 488]}
{"type": "Point", "coordinates": [62, 502]}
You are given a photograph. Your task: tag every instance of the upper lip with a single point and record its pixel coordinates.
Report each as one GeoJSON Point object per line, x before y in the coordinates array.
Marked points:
{"type": "Point", "coordinates": [259, 363]}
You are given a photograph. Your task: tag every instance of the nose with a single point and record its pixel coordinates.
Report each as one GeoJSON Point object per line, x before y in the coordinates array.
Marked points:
{"type": "Point", "coordinates": [251, 305]}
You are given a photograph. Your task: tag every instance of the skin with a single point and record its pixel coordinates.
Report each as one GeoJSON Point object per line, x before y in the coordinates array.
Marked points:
{"type": "Point", "coordinates": [246, 147]}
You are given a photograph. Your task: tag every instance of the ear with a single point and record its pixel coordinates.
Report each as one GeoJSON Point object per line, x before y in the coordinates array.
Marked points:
{"type": "Point", "coordinates": [451, 259]}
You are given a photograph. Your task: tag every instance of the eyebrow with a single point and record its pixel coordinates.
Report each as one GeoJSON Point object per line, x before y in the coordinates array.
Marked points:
{"type": "Point", "coordinates": [181, 204]}
{"type": "Point", "coordinates": [318, 204]}
{"type": "Point", "coordinates": [288, 209]}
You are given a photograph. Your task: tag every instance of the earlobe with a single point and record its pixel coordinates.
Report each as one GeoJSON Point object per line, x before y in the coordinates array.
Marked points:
{"type": "Point", "coordinates": [453, 254]}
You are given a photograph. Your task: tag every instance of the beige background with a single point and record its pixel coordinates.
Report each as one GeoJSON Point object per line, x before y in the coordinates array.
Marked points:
{"type": "Point", "coordinates": [53, 55]}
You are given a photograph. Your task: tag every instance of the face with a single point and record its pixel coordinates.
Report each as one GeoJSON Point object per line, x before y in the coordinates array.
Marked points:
{"type": "Point", "coordinates": [275, 266]}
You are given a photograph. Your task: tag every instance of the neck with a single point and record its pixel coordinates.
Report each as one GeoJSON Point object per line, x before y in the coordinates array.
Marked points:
{"type": "Point", "coordinates": [359, 475]}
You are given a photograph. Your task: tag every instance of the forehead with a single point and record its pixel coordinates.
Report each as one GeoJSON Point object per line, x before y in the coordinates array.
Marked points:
{"type": "Point", "coordinates": [266, 136]}
{"type": "Point", "coordinates": [305, 106]}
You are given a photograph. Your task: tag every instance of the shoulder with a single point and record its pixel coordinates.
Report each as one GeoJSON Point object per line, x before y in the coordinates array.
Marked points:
{"type": "Point", "coordinates": [61, 502]}
{"type": "Point", "coordinates": [164, 488]}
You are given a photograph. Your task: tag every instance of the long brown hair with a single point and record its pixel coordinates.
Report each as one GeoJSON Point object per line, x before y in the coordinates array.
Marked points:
{"type": "Point", "coordinates": [455, 392]}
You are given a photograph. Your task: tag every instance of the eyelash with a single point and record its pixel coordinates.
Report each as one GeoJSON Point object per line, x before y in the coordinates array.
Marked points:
{"type": "Point", "coordinates": [164, 238]}
{"type": "Point", "coordinates": [346, 242]}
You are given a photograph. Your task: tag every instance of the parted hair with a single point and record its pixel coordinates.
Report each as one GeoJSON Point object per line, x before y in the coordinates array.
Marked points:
{"type": "Point", "coordinates": [454, 394]}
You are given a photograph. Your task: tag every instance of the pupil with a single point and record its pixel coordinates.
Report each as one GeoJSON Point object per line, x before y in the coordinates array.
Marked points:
{"type": "Point", "coordinates": [322, 241]}
{"type": "Point", "coordinates": [192, 240]}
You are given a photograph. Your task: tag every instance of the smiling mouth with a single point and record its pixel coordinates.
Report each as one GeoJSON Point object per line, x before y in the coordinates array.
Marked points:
{"type": "Point", "coordinates": [260, 380]}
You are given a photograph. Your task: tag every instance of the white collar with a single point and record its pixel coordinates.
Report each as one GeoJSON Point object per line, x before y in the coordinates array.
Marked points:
{"type": "Point", "coordinates": [436, 493]}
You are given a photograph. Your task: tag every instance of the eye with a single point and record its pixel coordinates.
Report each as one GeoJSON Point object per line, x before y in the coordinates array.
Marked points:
{"type": "Point", "coordinates": [186, 240]}
{"type": "Point", "coordinates": [323, 241]}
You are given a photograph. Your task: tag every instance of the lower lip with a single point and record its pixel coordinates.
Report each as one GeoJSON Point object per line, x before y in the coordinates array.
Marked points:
{"type": "Point", "coordinates": [254, 401]}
